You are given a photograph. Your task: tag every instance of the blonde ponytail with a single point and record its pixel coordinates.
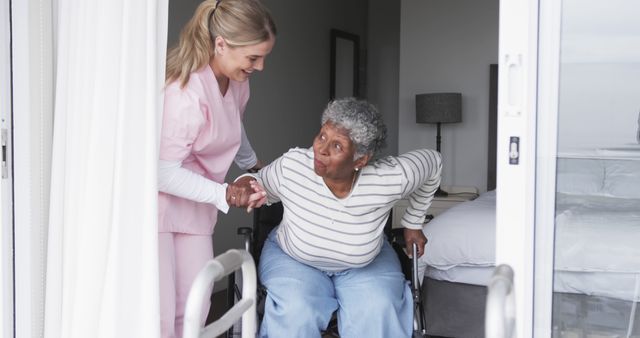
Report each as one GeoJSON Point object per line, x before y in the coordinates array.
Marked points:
{"type": "Point", "coordinates": [239, 22]}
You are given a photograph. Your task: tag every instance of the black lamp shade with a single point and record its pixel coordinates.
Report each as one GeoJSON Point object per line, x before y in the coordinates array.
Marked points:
{"type": "Point", "coordinates": [439, 108]}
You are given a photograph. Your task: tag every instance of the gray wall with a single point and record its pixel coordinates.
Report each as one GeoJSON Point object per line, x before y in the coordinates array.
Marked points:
{"type": "Point", "coordinates": [447, 46]}
{"type": "Point", "coordinates": [383, 53]}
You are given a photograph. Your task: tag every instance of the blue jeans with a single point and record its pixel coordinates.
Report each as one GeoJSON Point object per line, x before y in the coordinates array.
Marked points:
{"type": "Point", "coordinates": [372, 301]}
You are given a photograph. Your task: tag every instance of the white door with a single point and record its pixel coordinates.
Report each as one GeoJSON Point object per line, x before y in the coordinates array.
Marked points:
{"type": "Point", "coordinates": [6, 204]}
{"type": "Point", "coordinates": [568, 208]}
{"type": "Point", "coordinates": [515, 184]}
{"type": "Point", "coordinates": [31, 96]}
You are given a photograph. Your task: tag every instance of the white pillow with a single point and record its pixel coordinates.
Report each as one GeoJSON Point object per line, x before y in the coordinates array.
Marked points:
{"type": "Point", "coordinates": [463, 235]}
{"type": "Point", "coordinates": [580, 176]}
{"type": "Point", "coordinates": [622, 179]}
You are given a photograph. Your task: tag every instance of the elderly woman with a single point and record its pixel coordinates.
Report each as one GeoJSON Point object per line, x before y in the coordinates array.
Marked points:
{"type": "Point", "coordinates": [329, 252]}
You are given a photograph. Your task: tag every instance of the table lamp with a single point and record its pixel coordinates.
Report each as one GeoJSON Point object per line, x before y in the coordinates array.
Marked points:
{"type": "Point", "coordinates": [438, 108]}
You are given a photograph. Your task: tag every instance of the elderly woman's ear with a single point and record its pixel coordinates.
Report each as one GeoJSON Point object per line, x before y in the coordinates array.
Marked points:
{"type": "Point", "coordinates": [361, 162]}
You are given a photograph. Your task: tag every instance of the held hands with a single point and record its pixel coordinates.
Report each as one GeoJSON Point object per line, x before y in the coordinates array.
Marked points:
{"type": "Point", "coordinates": [246, 192]}
{"type": "Point", "coordinates": [415, 236]}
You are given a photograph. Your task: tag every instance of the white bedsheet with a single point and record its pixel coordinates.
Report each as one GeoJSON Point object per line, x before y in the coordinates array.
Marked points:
{"type": "Point", "coordinates": [597, 233]}
{"type": "Point", "coordinates": [599, 251]}
{"type": "Point", "coordinates": [614, 285]}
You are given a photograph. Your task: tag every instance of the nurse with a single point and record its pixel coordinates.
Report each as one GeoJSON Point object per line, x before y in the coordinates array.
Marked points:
{"type": "Point", "coordinates": [206, 93]}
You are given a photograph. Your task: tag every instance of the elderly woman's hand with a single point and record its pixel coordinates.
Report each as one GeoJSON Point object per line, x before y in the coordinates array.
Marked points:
{"type": "Point", "coordinates": [415, 236]}
{"type": "Point", "coordinates": [246, 192]}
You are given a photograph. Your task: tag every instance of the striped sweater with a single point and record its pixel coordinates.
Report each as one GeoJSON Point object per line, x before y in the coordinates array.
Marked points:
{"type": "Point", "coordinates": [333, 234]}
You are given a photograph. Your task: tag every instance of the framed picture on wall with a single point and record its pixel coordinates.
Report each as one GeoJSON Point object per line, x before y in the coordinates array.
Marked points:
{"type": "Point", "coordinates": [345, 56]}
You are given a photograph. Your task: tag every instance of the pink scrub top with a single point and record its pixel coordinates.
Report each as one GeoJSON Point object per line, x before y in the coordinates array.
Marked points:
{"type": "Point", "coordinates": [202, 129]}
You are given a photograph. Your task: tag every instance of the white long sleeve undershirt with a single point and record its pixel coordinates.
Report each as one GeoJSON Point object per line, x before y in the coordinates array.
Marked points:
{"type": "Point", "coordinates": [175, 180]}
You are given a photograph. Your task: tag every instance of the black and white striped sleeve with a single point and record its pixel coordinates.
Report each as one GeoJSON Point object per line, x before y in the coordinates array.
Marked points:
{"type": "Point", "coordinates": [270, 177]}
{"type": "Point", "coordinates": [422, 169]}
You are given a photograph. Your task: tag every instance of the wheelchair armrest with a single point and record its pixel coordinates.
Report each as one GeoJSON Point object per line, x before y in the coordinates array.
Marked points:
{"type": "Point", "coordinates": [397, 238]}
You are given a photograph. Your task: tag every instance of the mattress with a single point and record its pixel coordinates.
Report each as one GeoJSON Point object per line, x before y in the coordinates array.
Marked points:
{"type": "Point", "coordinates": [597, 236]}
{"type": "Point", "coordinates": [622, 286]}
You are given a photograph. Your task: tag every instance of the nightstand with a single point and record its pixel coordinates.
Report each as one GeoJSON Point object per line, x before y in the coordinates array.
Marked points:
{"type": "Point", "coordinates": [457, 194]}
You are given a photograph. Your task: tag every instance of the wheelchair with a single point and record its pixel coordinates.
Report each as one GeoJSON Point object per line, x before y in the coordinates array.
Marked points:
{"type": "Point", "coordinates": [266, 218]}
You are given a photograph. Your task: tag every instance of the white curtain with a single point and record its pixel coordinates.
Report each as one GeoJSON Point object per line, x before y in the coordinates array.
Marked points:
{"type": "Point", "coordinates": [102, 270]}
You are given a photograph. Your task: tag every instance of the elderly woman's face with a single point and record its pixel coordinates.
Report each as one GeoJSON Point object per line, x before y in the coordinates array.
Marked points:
{"type": "Point", "coordinates": [333, 151]}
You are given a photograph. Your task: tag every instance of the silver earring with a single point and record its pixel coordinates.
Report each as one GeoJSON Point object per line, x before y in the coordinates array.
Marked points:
{"type": "Point", "coordinates": [356, 169]}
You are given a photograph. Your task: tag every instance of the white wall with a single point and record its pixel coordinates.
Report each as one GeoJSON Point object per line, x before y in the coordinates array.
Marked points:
{"type": "Point", "coordinates": [447, 46]}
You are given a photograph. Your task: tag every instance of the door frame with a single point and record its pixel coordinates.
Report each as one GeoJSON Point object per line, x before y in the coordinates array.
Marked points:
{"type": "Point", "coordinates": [546, 158]}
{"type": "Point", "coordinates": [525, 229]}
{"type": "Point", "coordinates": [516, 152]}
{"type": "Point", "coordinates": [32, 122]}
{"type": "Point", "coordinates": [6, 180]}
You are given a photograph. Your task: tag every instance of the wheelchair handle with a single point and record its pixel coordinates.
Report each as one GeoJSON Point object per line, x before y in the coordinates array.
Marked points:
{"type": "Point", "coordinates": [415, 282]}
{"type": "Point", "coordinates": [414, 261]}
{"type": "Point", "coordinates": [215, 270]}
{"type": "Point", "coordinates": [246, 233]}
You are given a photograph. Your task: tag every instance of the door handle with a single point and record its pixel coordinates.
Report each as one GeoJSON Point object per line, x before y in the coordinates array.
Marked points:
{"type": "Point", "coordinates": [513, 65]}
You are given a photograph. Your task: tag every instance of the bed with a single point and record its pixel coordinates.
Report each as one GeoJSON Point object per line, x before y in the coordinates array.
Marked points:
{"type": "Point", "coordinates": [597, 256]}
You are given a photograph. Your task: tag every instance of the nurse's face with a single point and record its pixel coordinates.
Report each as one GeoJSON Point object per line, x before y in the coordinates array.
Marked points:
{"type": "Point", "coordinates": [238, 63]}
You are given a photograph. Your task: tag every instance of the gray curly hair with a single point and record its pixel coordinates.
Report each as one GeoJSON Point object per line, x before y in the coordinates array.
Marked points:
{"type": "Point", "coordinates": [362, 121]}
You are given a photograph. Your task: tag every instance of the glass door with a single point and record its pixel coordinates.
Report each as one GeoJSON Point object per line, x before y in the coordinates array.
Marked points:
{"type": "Point", "coordinates": [595, 213]}
{"type": "Point", "coordinates": [568, 207]}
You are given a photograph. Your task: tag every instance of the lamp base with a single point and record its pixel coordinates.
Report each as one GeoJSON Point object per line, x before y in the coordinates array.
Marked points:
{"type": "Point", "coordinates": [441, 193]}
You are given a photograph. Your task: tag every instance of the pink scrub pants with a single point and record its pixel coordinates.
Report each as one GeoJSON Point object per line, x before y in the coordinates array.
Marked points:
{"type": "Point", "coordinates": [181, 258]}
